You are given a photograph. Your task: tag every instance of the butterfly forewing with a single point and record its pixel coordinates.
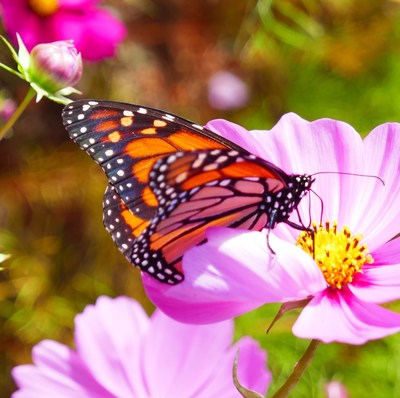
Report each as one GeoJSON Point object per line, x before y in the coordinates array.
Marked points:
{"type": "Point", "coordinates": [127, 140]}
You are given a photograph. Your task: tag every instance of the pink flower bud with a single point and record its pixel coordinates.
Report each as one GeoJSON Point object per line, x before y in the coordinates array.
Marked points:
{"type": "Point", "coordinates": [56, 65]}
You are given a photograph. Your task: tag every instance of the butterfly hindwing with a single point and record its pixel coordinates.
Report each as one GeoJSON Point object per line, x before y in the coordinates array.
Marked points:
{"type": "Point", "coordinates": [201, 189]}
{"type": "Point", "coordinates": [125, 228]}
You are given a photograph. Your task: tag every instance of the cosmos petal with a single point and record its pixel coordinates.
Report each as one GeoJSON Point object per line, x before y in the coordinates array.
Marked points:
{"type": "Point", "coordinates": [234, 272]}
{"type": "Point", "coordinates": [17, 18]}
{"type": "Point", "coordinates": [378, 209]}
{"type": "Point", "coordinates": [119, 325]}
{"type": "Point", "coordinates": [57, 371]}
{"type": "Point", "coordinates": [339, 316]}
{"type": "Point", "coordinates": [235, 133]}
{"type": "Point", "coordinates": [96, 35]}
{"type": "Point", "coordinates": [78, 4]}
{"type": "Point", "coordinates": [174, 359]}
{"type": "Point", "coordinates": [251, 370]}
{"type": "Point", "coordinates": [380, 282]}
{"type": "Point", "coordinates": [302, 147]}
{"type": "Point", "coordinates": [207, 343]}
{"type": "Point", "coordinates": [95, 30]}
{"type": "Point", "coordinates": [324, 145]}
{"type": "Point", "coordinates": [249, 353]}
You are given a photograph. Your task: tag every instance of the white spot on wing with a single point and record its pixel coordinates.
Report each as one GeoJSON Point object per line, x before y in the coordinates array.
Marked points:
{"type": "Point", "coordinates": [211, 166]}
{"type": "Point", "coordinates": [181, 177]}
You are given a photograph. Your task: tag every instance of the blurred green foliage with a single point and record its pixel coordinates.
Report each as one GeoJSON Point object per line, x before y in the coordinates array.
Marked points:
{"type": "Point", "coordinates": [327, 58]}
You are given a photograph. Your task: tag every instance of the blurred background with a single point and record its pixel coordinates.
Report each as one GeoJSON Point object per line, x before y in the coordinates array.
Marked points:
{"type": "Point", "coordinates": [246, 61]}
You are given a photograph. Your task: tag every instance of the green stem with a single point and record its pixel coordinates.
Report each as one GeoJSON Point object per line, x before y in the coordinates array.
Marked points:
{"type": "Point", "coordinates": [18, 112]}
{"type": "Point", "coordinates": [298, 371]}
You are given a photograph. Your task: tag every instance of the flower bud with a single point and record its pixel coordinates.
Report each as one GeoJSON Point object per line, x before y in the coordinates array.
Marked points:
{"type": "Point", "coordinates": [54, 66]}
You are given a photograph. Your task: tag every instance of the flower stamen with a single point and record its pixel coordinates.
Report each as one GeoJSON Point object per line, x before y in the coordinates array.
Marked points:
{"type": "Point", "coordinates": [339, 255]}
{"type": "Point", "coordinates": [44, 8]}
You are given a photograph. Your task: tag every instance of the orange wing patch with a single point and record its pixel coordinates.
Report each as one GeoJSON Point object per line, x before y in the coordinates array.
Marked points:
{"type": "Point", "coordinates": [201, 179]}
{"type": "Point", "coordinates": [141, 170]}
{"type": "Point", "coordinates": [149, 198]}
{"type": "Point", "coordinates": [158, 241]}
{"type": "Point", "coordinates": [212, 172]}
{"type": "Point", "coordinates": [146, 147]}
{"type": "Point", "coordinates": [104, 113]}
{"type": "Point", "coordinates": [136, 223]}
{"type": "Point", "coordinates": [108, 125]}
{"type": "Point", "coordinates": [247, 169]}
{"type": "Point", "coordinates": [191, 235]}
{"type": "Point", "coordinates": [186, 141]}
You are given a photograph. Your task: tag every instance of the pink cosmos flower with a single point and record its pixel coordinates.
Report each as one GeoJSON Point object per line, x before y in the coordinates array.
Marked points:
{"type": "Point", "coordinates": [95, 32]}
{"type": "Point", "coordinates": [357, 264]}
{"type": "Point", "coordinates": [121, 352]}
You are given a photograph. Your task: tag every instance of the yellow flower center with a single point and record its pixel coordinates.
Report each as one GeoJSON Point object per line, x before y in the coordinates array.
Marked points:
{"type": "Point", "coordinates": [338, 254]}
{"type": "Point", "coordinates": [44, 8]}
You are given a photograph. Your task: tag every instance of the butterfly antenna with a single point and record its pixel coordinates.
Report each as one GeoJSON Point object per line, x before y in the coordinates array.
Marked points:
{"type": "Point", "coordinates": [322, 205]}
{"type": "Point", "coordinates": [300, 219]}
{"type": "Point", "coordinates": [312, 230]}
{"type": "Point", "coordinates": [350, 174]}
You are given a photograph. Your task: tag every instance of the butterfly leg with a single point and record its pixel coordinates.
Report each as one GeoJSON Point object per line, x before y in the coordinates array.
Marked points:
{"type": "Point", "coordinates": [270, 225]}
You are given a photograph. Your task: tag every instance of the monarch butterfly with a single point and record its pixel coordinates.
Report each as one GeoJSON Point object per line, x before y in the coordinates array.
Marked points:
{"type": "Point", "coordinates": [171, 179]}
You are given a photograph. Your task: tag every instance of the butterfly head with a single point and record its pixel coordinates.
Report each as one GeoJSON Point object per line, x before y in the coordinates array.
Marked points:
{"type": "Point", "coordinates": [285, 201]}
